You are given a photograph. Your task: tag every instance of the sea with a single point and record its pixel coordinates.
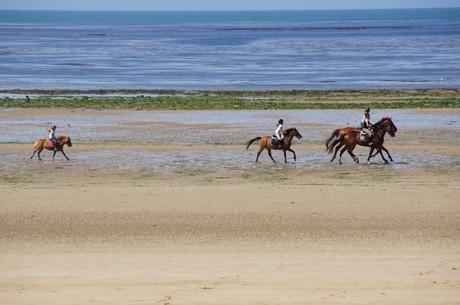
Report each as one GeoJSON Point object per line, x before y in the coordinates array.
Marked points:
{"type": "Point", "coordinates": [230, 50]}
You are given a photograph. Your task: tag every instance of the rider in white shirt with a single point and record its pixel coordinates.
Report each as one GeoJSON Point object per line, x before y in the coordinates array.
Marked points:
{"type": "Point", "coordinates": [279, 132]}
{"type": "Point", "coordinates": [52, 136]}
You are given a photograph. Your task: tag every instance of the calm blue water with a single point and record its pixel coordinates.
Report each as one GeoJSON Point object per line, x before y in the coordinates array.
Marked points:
{"type": "Point", "coordinates": [354, 49]}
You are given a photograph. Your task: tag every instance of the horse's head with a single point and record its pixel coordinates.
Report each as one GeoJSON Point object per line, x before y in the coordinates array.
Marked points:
{"type": "Point", "coordinates": [65, 140]}
{"type": "Point", "coordinates": [294, 132]}
{"type": "Point", "coordinates": [390, 127]}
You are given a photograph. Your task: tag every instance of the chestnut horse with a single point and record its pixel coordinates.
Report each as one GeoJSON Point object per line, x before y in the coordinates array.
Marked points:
{"type": "Point", "coordinates": [343, 131]}
{"type": "Point", "coordinates": [43, 144]}
{"type": "Point", "coordinates": [265, 143]}
{"type": "Point", "coordinates": [351, 138]}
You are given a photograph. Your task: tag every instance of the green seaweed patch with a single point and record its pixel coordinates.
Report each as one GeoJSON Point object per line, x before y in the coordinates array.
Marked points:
{"type": "Point", "coordinates": [235, 100]}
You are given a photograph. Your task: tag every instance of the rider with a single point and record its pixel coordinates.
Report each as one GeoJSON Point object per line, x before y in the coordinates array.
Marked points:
{"type": "Point", "coordinates": [366, 125]}
{"type": "Point", "coordinates": [52, 136]}
{"type": "Point", "coordinates": [279, 132]}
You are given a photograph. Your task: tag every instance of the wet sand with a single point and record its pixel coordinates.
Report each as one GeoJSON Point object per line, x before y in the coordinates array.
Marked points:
{"type": "Point", "coordinates": [198, 222]}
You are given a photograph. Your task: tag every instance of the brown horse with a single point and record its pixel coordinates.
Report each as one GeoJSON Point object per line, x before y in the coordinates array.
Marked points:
{"type": "Point", "coordinates": [43, 144]}
{"type": "Point", "coordinates": [265, 143]}
{"type": "Point", "coordinates": [343, 131]}
{"type": "Point", "coordinates": [351, 138]}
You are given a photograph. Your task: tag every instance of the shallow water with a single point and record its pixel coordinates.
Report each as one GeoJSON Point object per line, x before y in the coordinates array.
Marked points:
{"type": "Point", "coordinates": [238, 50]}
{"type": "Point", "coordinates": [200, 131]}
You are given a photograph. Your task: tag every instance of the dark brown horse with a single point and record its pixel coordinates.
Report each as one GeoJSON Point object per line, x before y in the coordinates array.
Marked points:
{"type": "Point", "coordinates": [343, 131]}
{"type": "Point", "coordinates": [352, 137]}
{"type": "Point", "coordinates": [265, 143]}
{"type": "Point", "coordinates": [44, 144]}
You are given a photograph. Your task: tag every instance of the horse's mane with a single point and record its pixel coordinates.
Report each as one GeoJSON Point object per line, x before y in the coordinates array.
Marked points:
{"type": "Point", "coordinates": [382, 120]}
{"type": "Point", "coordinates": [63, 138]}
{"type": "Point", "coordinates": [288, 131]}
{"type": "Point", "coordinates": [379, 124]}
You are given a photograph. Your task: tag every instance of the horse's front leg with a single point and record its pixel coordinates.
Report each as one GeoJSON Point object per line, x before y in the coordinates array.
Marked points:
{"type": "Point", "coordinates": [379, 151]}
{"type": "Point", "coordinates": [384, 160]}
{"type": "Point", "coordinates": [293, 152]}
{"type": "Point", "coordinates": [383, 147]}
{"type": "Point", "coordinates": [62, 151]}
{"type": "Point", "coordinates": [370, 155]}
{"type": "Point", "coordinates": [54, 154]}
{"type": "Point", "coordinates": [285, 159]}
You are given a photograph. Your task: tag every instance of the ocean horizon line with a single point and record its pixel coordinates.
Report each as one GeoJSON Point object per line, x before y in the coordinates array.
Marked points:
{"type": "Point", "coordinates": [242, 10]}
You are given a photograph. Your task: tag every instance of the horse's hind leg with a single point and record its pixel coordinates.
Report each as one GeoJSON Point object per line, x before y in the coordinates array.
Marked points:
{"type": "Point", "coordinates": [336, 149]}
{"type": "Point", "coordinates": [350, 152]}
{"type": "Point", "coordinates": [38, 154]}
{"type": "Point", "coordinates": [341, 153]}
{"type": "Point", "coordinates": [258, 154]}
{"type": "Point", "coordinates": [270, 154]}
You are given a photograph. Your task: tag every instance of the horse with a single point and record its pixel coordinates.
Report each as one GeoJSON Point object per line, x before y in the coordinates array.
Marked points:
{"type": "Point", "coordinates": [265, 143]}
{"type": "Point", "coordinates": [351, 138]}
{"type": "Point", "coordinates": [343, 131]}
{"type": "Point", "coordinates": [43, 144]}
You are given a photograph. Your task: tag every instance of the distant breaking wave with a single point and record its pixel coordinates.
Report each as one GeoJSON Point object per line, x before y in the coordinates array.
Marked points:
{"type": "Point", "coordinates": [346, 28]}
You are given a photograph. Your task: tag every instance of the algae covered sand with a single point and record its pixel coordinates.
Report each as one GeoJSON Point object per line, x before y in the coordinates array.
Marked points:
{"type": "Point", "coordinates": [231, 100]}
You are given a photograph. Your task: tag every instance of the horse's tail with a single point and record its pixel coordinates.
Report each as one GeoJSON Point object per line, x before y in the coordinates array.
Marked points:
{"type": "Point", "coordinates": [330, 148]}
{"type": "Point", "coordinates": [37, 144]}
{"type": "Point", "coordinates": [252, 141]}
{"type": "Point", "coordinates": [334, 134]}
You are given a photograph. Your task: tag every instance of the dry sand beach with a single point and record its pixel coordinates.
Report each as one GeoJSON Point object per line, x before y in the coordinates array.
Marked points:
{"type": "Point", "coordinates": [169, 208]}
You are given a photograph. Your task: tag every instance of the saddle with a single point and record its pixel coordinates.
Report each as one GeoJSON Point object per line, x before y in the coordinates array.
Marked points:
{"type": "Point", "coordinates": [276, 143]}
{"type": "Point", "coordinates": [50, 144]}
{"type": "Point", "coordinates": [363, 136]}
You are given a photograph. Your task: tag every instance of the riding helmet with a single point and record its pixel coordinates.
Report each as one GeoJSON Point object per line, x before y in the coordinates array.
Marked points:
{"type": "Point", "coordinates": [280, 121]}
